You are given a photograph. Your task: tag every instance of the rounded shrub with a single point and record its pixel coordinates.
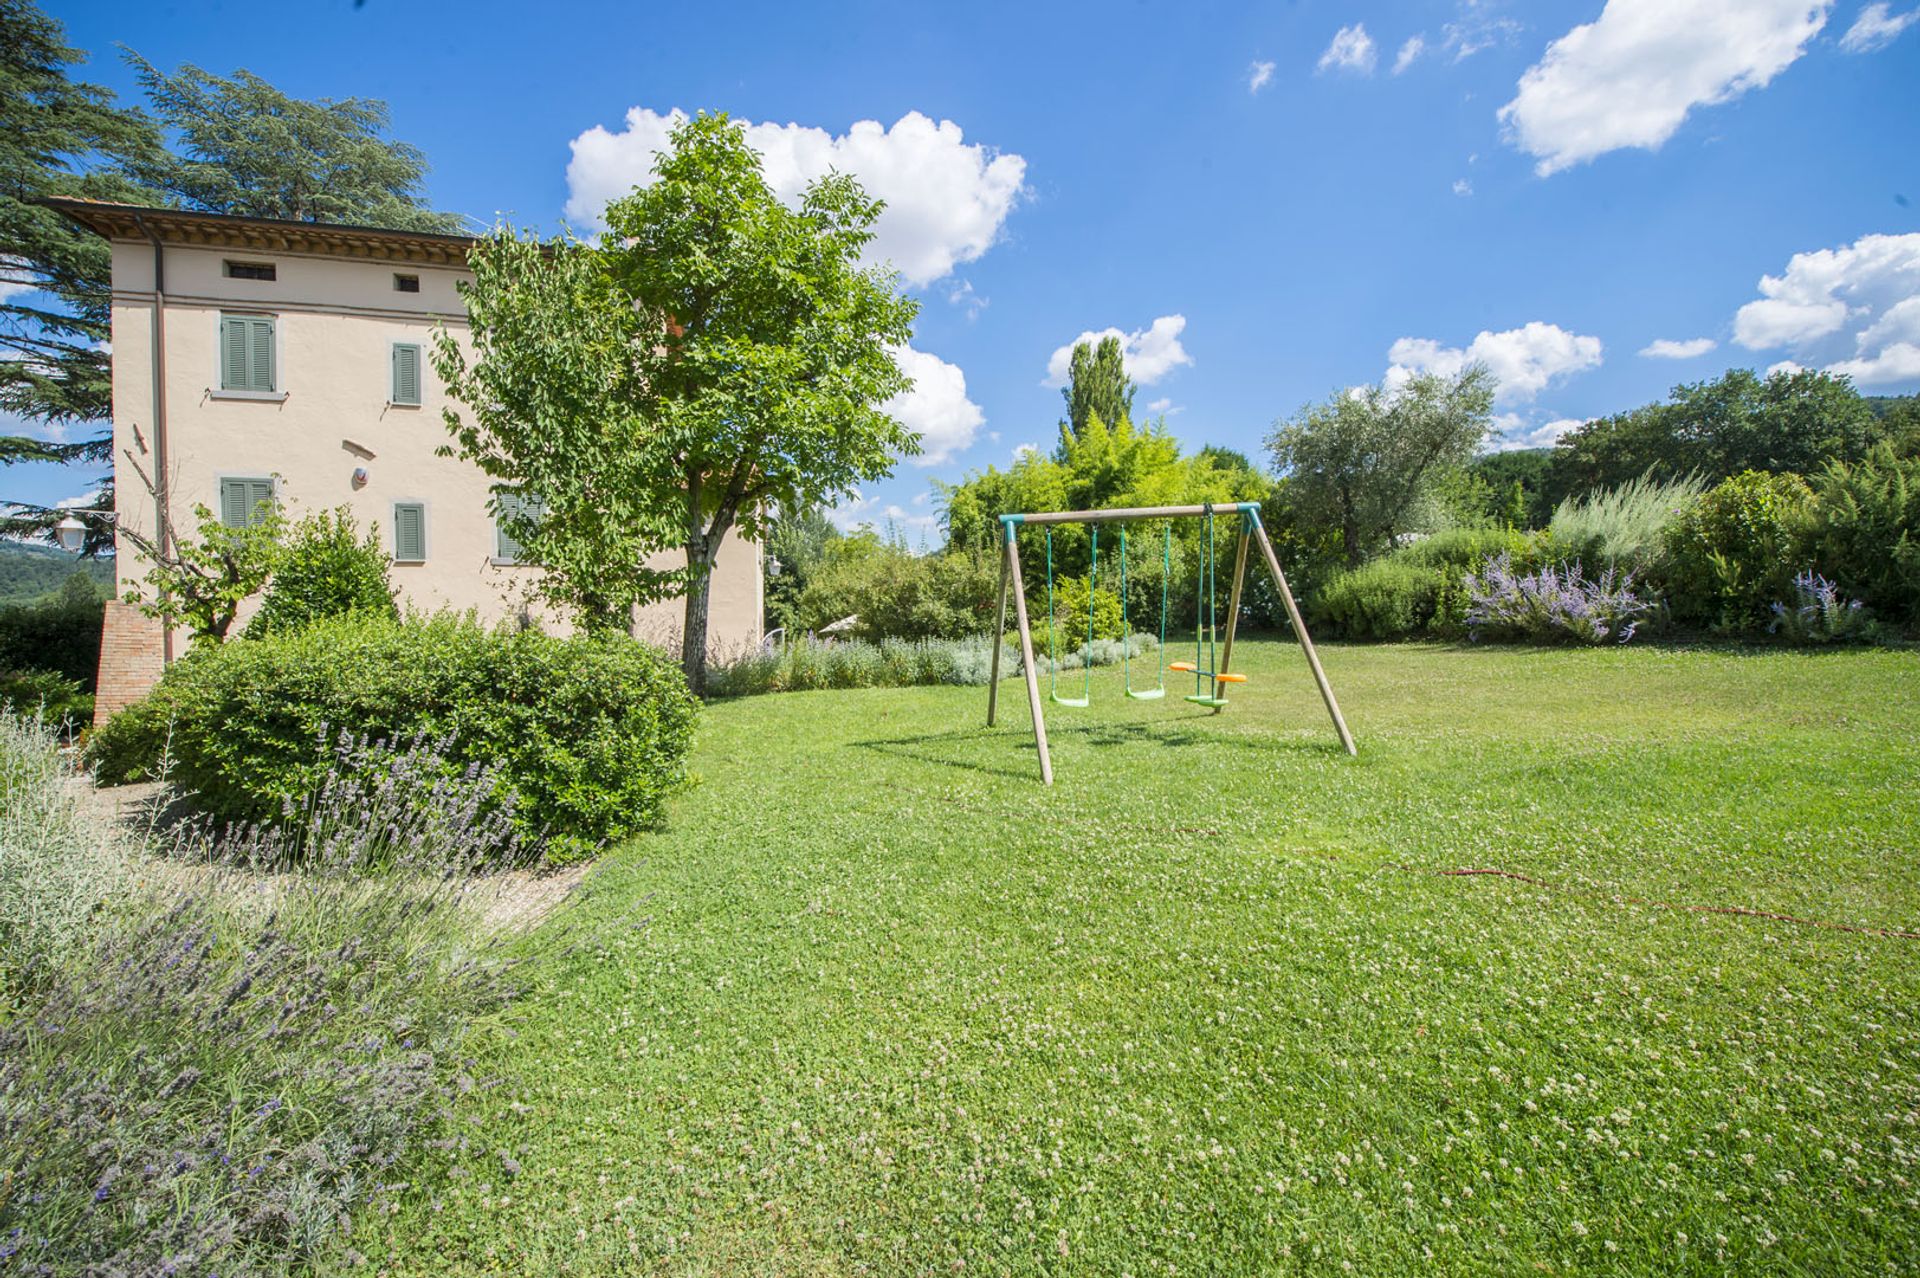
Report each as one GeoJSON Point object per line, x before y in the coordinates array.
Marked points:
{"type": "Point", "coordinates": [325, 570]}
{"type": "Point", "coordinates": [587, 735]}
{"type": "Point", "coordinates": [1733, 553]}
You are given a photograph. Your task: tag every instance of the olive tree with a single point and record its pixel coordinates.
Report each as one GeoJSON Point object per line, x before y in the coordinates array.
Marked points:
{"type": "Point", "coordinates": [1362, 460]}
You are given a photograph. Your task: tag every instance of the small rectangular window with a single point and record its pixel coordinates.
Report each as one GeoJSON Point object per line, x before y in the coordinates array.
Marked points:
{"type": "Point", "coordinates": [409, 532]}
{"type": "Point", "coordinates": [406, 374]}
{"type": "Point", "coordinates": [250, 271]}
{"type": "Point", "coordinates": [244, 501]}
{"type": "Point", "coordinates": [247, 353]}
{"type": "Point", "coordinates": [406, 283]}
{"type": "Point", "coordinates": [511, 504]}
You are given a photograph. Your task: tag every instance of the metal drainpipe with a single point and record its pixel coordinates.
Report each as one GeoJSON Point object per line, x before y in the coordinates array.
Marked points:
{"type": "Point", "coordinates": [163, 531]}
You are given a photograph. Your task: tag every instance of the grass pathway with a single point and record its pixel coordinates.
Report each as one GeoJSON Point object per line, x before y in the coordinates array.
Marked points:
{"type": "Point", "coordinates": [876, 1002]}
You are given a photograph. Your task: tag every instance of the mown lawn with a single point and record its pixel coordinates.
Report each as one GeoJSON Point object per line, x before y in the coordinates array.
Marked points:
{"type": "Point", "coordinates": [878, 1003]}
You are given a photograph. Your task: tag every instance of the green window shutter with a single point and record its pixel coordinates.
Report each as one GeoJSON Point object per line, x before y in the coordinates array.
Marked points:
{"type": "Point", "coordinates": [241, 500]}
{"type": "Point", "coordinates": [234, 506]}
{"type": "Point", "coordinates": [260, 354]}
{"type": "Point", "coordinates": [233, 353]}
{"type": "Point", "coordinates": [246, 353]}
{"type": "Point", "coordinates": [259, 493]}
{"type": "Point", "coordinates": [510, 505]}
{"type": "Point", "coordinates": [409, 532]}
{"type": "Point", "coordinates": [406, 374]}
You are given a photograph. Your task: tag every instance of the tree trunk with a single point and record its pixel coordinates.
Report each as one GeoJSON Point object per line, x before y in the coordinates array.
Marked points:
{"type": "Point", "coordinates": [693, 631]}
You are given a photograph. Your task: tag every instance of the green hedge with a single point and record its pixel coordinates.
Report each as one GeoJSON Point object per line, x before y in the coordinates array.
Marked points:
{"type": "Point", "coordinates": [60, 632]}
{"type": "Point", "coordinates": [1419, 589]}
{"type": "Point", "coordinates": [588, 735]}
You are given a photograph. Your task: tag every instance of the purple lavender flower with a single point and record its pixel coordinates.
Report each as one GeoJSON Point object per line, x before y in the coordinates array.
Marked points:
{"type": "Point", "coordinates": [1556, 604]}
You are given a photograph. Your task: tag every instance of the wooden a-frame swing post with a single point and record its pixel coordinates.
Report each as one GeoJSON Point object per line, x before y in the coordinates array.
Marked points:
{"type": "Point", "coordinates": [1251, 530]}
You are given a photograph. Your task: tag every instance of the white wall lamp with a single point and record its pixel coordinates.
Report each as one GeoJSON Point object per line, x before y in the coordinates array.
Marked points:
{"type": "Point", "coordinates": [71, 533]}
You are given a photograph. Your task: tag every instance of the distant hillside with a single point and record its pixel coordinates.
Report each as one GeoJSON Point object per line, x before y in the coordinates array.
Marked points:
{"type": "Point", "coordinates": [28, 571]}
{"type": "Point", "coordinates": [1884, 404]}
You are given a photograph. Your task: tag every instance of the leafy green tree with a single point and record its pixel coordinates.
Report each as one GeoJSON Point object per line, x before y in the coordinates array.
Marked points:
{"type": "Point", "coordinates": [247, 148]}
{"type": "Point", "coordinates": [325, 569]}
{"type": "Point", "coordinates": [1864, 530]}
{"type": "Point", "coordinates": [1784, 423]}
{"type": "Point", "coordinates": [1097, 385]}
{"type": "Point", "coordinates": [795, 546]}
{"type": "Point", "coordinates": [897, 594]}
{"type": "Point", "coordinates": [718, 357]}
{"type": "Point", "coordinates": [1900, 424]}
{"type": "Point", "coordinates": [556, 415]}
{"type": "Point", "coordinates": [58, 136]}
{"type": "Point", "coordinates": [1364, 460]}
{"type": "Point", "coordinates": [201, 581]}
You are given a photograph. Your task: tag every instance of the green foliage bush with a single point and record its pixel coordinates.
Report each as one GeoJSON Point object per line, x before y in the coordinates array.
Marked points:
{"type": "Point", "coordinates": [590, 735]}
{"type": "Point", "coordinates": [60, 632]}
{"type": "Point", "coordinates": [805, 665]}
{"type": "Point", "coordinates": [1734, 552]}
{"type": "Point", "coordinates": [57, 867]}
{"type": "Point", "coordinates": [897, 594]}
{"type": "Point", "coordinates": [1391, 599]}
{"type": "Point", "coordinates": [1420, 589]}
{"type": "Point", "coordinates": [325, 570]}
{"type": "Point", "coordinates": [1864, 532]}
{"type": "Point", "coordinates": [1624, 526]}
{"type": "Point", "coordinates": [1070, 607]}
{"type": "Point", "coordinates": [212, 1072]}
{"type": "Point", "coordinates": [46, 695]}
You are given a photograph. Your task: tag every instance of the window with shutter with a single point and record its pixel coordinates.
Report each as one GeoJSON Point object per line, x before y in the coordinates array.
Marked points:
{"type": "Point", "coordinates": [409, 532]}
{"type": "Point", "coordinates": [406, 374]}
{"type": "Point", "coordinates": [242, 501]}
{"type": "Point", "coordinates": [246, 353]}
{"type": "Point", "coordinates": [510, 504]}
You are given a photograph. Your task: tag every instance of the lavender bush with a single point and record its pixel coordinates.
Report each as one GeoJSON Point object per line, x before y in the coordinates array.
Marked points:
{"type": "Point", "coordinates": [237, 1062]}
{"type": "Point", "coordinates": [807, 664]}
{"type": "Point", "coordinates": [1820, 614]}
{"type": "Point", "coordinates": [1556, 604]}
{"type": "Point", "coordinates": [58, 866]}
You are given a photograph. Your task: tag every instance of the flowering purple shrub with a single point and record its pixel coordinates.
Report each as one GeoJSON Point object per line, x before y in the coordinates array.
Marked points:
{"type": "Point", "coordinates": [1557, 604]}
{"type": "Point", "coordinates": [235, 1062]}
{"type": "Point", "coordinates": [407, 810]}
{"type": "Point", "coordinates": [1820, 614]}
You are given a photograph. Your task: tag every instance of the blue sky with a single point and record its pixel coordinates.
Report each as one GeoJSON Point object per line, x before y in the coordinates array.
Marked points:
{"type": "Point", "coordinates": [1271, 201]}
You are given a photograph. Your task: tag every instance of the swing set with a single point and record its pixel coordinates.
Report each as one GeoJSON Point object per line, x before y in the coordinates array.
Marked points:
{"type": "Point", "coordinates": [1212, 653]}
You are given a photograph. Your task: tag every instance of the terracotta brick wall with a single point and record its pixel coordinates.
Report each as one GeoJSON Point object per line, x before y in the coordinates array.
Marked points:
{"type": "Point", "coordinates": [130, 659]}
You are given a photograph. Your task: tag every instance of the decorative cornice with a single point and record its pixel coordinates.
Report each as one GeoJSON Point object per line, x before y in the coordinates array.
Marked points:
{"type": "Point", "coordinates": [263, 235]}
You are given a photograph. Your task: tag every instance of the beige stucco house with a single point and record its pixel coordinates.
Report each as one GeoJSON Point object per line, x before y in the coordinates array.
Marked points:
{"type": "Point", "coordinates": [255, 358]}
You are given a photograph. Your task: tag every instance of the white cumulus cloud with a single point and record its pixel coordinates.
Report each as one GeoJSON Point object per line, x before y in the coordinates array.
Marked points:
{"type": "Point", "coordinates": [937, 408]}
{"type": "Point", "coordinates": [1352, 49]}
{"type": "Point", "coordinates": [1672, 348]}
{"type": "Point", "coordinates": [947, 199]}
{"type": "Point", "coordinates": [1857, 307]}
{"type": "Point", "coordinates": [1415, 45]}
{"type": "Point", "coordinates": [1524, 360]}
{"type": "Point", "coordinates": [1259, 75]}
{"type": "Point", "coordinates": [1631, 76]}
{"type": "Point", "coordinates": [1148, 354]}
{"type": "Point", "coordinates": [1876, 28]}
